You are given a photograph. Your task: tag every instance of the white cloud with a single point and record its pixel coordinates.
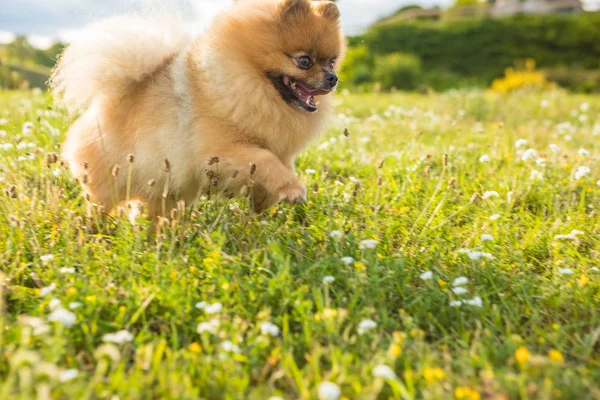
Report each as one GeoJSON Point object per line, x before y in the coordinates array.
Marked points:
{"type": "Point", "coordinates": [6, 37]}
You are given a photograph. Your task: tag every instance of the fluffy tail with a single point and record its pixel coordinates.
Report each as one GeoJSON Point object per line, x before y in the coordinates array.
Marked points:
{"type": "Point", "coordinates": [112, 55]}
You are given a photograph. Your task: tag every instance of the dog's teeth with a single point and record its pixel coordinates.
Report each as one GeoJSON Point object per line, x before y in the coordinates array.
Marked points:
{"type": "Point", "coordinates": [293, 85]}
{"type": "Point", "coordinates": [308, 101]}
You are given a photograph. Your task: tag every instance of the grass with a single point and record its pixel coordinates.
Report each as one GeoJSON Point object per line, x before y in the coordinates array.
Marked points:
{"type": "Point", "coordinates": [528, 326]}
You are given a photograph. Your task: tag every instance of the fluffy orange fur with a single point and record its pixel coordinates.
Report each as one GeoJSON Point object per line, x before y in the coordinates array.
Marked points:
{"type": "Point", "coordinates": [212, 106]}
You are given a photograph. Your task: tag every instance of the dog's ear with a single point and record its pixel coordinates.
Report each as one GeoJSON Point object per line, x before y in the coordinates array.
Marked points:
{"type": "Point", "coordinates": [328, 9]}
{"type": "Point", "coordinates": [292, 8]}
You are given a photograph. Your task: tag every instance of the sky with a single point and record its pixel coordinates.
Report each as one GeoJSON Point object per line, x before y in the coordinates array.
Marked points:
{"type": "Point", "coordinates": [48, 20]}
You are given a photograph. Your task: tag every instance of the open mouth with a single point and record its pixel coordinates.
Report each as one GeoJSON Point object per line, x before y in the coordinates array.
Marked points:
{"type": "Point", "coordinates": [296, 92]}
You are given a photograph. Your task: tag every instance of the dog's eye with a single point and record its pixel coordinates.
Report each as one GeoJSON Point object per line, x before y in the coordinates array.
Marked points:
{"type": "Point", "coordinates": [332, 64]}
{"type": "Point", "coordinates": [305, 62]}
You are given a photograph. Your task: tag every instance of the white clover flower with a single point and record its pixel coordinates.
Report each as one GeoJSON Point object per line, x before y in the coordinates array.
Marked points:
{"type": "Point", "coordinates": [329, 391]}
{"type": "Point", "coordinates": [201, 305]}
{"type": "Point", "coordinates": [3, 121]}
{"type": "Point", "coordinates": [213, 308]}
{"type": "Point", "coordinates": [65, 317]}
{"type": "Point", "coordinates": [6, 146]}
{"type": "Point", "coordinates": [75, 305]}
{"type": "Point", "coordinates": [311, 171]}
{"type": "Point", "coordinates": [328, 279]}
{"type": "Point", "coordinates": [583, 118]}
{"type": "Point", "coordinates": [47, 290]}
{"type": "Point", "coordinates": [477, 255]}
{"type": "Point", "coordinates": [490, 194]}
{"type": "Point", "coordinates": [554, 148]}
{"type": "Point", "coordinates": [426, 275]}
{"type": "Point", "coordinates": [455, 303]}
{"type": "Point", "coordinates": [536, 175]}
{"type": "Point", "coordinates": [27, 128]}
{"type": "Point", "coordinates": [475, 302]}
{"type": "Point", "coordinates": [67, 270]}
{"type": "Point", "coordinates": [3, 134]}
{"type": "Point", "coordinates": [54, 304]}
{"type": "Point", "coordinates": [384, 372]}
{"type": "Point", "coordinates": [495, 217]}
{"type": "Point", "coordinates": [581, 172]}
{"type": "Point", "coordinates": [347, 260]}
{"type": "Point", "coordinates": [210, 326]}
{"type": "Point", "coordinates": [336, 234]}
{"type": "Point", "coordinates": [119, 337]}
{"type": "Point", "coordinates": [529, 154]}
{"type": "Point", "coordinates": [368, 244]}
{"type": "Point", "coordinates": [68, 375]}
{"type": "Point", "coordinates": [486, 237]}
{"type": "Point", "coordinates": [565, 271]}
{"type": "Point", "coordinates": [47, 258]}
{"type": "Point", "coordinates": [229, 347]}
{"type": "Point", "coordinates": [583, 152]}
{"type": "Point", "coordinates": [461, 280]}
{"type": "Point", "coordinates": [571, 236]}
{"type": "Point", "coordinates": [459, 290]}
{"type": "Point", "coordinates": [268, 328]}
{"type": "Point", "coordinates": [541, 162]}
{"type": "Point", "coordinates": [544, 103]}
{"type": "Point", "coordinates": [584, 107]}
{"type": "Point", "coordinates": [520, 143]}
{"type": "Point", "coordinates": [365, 326]}
{"type": "Point", "coordinates": [485, 158]}
{"type": "Point", "coordinates": [595, 269]}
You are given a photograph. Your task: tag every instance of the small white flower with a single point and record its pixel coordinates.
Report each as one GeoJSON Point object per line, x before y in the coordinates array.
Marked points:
{"type": "Point", "coordinates": [347, 260]}
{"type": "Point", "coordinates": [213, 308]}
{"type": "Point", "coordinates": [520, 143]}
{"type": "Point", "coordinates": [67, 270]}
{"type": "Point", "coordinates": [541, 162]}
{"type": "Point", "coordinates": [27, 128]}
{"type": "Point", "coordinates": [311, 171]}
{"type": "Point", "coordinates": [490, 194]}
{"type": "Point", "coordinates": [54, 304]}
{"type": "Point", "coordinates": [529, 154]}
{"type": "Point", "coordinates": [455, 303]}
{"type": "Point", "coordinates": [336, 234]}
{"type": "Point", "coordinates": [495, 217]}
{"type": "Point", "coordinates": [426, 275]}
{"type": "Point", "coordinates": [565, 271]}
{"type": "Point", "coordinates": [368, 244]}
{"type": "Point", "coordinates": [6, 146]}
{"type": "Point", "coordinates": [201, 305]}
{"type": "Point", "coordinates": [536, 175]}
{"type": "Point", "coordinates": [459, 290]}
{"type": "Point", "coordinates": [47, 258]}
{"type": "Point", "coordinates": [328, 279]}
{"type": "Point", "coordinates": [461, 280]}
{"type": "Point", "coordinates": [47, 290]}
{"type": "Point", "coordinates": [229, 347]}
{"type": "Point", "coordinates": [554, 148]}
{"type": "Point", "coordinates": [475, 302]}
{"type": "Point", "coordinates": [3, 134]}
{"type": "Point", "coordinates": [275, 398]}
{"type": "Point", "coordinates": [571, 236]}
{"type": "Point", "coordinates": [484, 158]}
{"type": "Point", "coordinates": [595, 269]}
{"type": "Point", "coordinates": [384, 372]}
{"type": "Point", "coordinates": [486, 237]}
{"type": "Point", "coordinates": [544, 104]}
{"type": "Point", "coordinates": [366, 325]}
{"type": "Point", "coordinates": [583, 152]}
{"type": "Point", "coordinates": [210, 326]}
{"type": "Point", "coordinates": [68, 375]}
{"type": "Point", "coordinates": [74, 305]}
{"type": "Point", "coordinates": [119, 337]}
{"type": "Point", "coordinates": [477, 255]}
{"type": "Point", "coordinates": [268, 328]}
{"type": "Point", "coordinates": [581, 172]}
{"type": "Point", "coordinates": [65, 317]}
{"type": "Point", "coordinates": [584, 107]}
{"type": "Point", "coordinates": [329, 391]}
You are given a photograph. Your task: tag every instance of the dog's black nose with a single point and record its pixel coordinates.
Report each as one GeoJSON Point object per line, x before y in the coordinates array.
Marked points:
{"type": "Point", "coordinates": [331, 79]}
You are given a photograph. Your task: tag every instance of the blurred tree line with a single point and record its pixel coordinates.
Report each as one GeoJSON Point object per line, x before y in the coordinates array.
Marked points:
{"type": "Point", "coordinates": [23, 65]}
{"type": "Point", "coordinates": [442, 55]}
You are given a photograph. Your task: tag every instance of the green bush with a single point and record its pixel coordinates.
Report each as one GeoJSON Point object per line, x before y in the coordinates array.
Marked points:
{"type": "Point", "coordinates": [576, 80]}
{"type": "Point", "coordinates": [358, 66]}
{"type": "Point", "coordinates": [397, 70]}
{"type": "Point", "coordinates": [478, 50]}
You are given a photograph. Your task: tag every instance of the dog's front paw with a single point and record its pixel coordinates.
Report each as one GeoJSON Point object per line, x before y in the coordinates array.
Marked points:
{"type": "Point", "coordinates": [293, 192]}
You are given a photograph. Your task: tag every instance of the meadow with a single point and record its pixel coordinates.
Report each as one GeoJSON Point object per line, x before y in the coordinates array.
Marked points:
{"type": "Point", "coordinates": [449, 250]}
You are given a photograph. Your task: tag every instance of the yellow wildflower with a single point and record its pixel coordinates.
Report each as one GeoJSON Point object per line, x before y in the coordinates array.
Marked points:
{"type": "Point", "coordinates": [522, 355]}
{"type": "Point", "coordinates": [584, 280]}
{"type": "Point", "coordinates": [195, 348]}
{"type": "Point", "coordinates": [442, 282]}
{"type": "Point", "coordinates": [433, 374]}
{"type": "Point", "coordinates": [556, 356]}
{"type": "Point", "coordinates": [360, 266]}
{"type": "Point", "coordinates": [395, 350]}
{"type": "Point", "coordinates": [71, 291]}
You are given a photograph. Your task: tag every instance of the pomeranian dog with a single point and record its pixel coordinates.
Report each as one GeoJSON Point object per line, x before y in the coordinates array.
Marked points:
{"type": "Point", "coordinates": [181, 118]}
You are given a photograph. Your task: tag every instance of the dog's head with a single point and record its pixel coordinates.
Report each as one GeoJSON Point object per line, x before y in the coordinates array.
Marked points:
{"type": "Point", "coordinates": [297, 45]}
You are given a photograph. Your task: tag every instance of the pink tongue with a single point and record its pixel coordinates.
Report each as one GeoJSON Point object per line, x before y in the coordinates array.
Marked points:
{"type": "Point", "coordinates": [286, 80]}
